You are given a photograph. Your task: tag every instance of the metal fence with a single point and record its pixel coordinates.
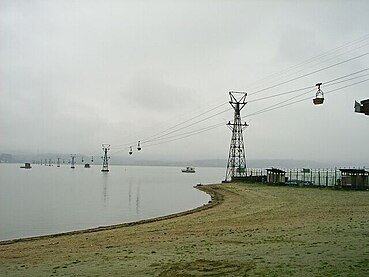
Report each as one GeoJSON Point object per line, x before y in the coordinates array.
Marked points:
{"type": "Point", "coordinates": [329, 177]}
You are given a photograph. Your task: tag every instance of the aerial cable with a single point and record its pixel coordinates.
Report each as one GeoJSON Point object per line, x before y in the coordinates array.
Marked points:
{"type": "Point", "coordinates": [178, 137]}
{"type": "Point", "coordinates": [199, 121]}
{"type": "Point", "coordinates": [119, 146]}
{"type": "Point", "coordinates": [310, 60]}
{"type": "Point", "coordinates": [186, 121]}
{"type": "Point", "coordinates": [116, 152]}
{"type": "Point", "coordinates": [300, 100]}
{"type": "Point", "coordinates": [165, 135]}
{"type": "Point", "coordinates": [310, 73]}
{"type": "Point", "coordinates": [268, 109]}
{"type": "Point", "coordinates": [327, 53]}
{"type": "Point", "coordinates": [279, 103]}
{"type": "Point", "coordinates": [348, 75]}
{"type": "Point", "coordinates": [326, 84]}
{"type": "Point", "coordinates": [356, 83]}
{"type": "Point", "coordinates": [364, 38]}
{"type": "Point", "coordinates": [165, 132]}
{"type": "Point", "coordinates": [190, 132]}
{"type": "Point", "coordinates": [350, 79]}
{"type": "Point", "coordinates": [154, 137]}
{"type": "Point", "coordinates": [263, 98]}
{"type": "Point", "coordinates": [184, 127]}
{"type": "Point", "coordinates": [279, 94]}
{"type": "Point", "coordinates": [127, 146]}
{"type": "Point", "coordinates": [326, 60]}
{"type": "Point", "coordinates": [173, 127]}
{"type": "Point", "coordinates": [201, 131]}
{"type": "Point", "coordinates": [271, 108]}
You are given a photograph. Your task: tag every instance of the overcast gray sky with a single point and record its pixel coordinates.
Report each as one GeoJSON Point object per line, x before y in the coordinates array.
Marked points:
{"type": "Point", "coordinates": [75, 74]}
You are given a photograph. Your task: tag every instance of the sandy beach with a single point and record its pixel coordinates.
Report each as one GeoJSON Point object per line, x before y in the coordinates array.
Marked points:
{"type": "Point", "coordinates": [247, 230]}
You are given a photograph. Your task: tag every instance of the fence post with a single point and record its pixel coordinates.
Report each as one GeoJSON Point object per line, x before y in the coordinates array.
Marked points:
{"type": "Point", "coordinates": [297, 174]}
{"type": "Point", "coordinates": [326, 178]}
{"type": "Point", "coordinates": [319, 177]}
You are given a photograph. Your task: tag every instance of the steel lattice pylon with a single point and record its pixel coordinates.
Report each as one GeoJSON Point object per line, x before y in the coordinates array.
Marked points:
{"type": "Point", "coordinates": [105, 158]}
{"type": "Point", "coordinates": [236, 166]}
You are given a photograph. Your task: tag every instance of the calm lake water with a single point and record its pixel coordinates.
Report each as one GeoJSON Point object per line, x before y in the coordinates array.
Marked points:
{"type": "Point", "coordinates": [47, 200]}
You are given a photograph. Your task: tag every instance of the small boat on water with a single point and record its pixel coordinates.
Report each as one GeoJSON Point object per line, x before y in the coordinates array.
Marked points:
{"type": "Point", "coordinates": [26, 166]}
{"type": "Point", "coordinates": [188, 169]}
{"type": "Point", "coordinates": [87, 166]}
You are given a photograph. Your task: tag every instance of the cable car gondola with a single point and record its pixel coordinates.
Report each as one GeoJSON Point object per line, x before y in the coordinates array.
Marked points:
{"type": "Point", "coordinates": [138, 146]}
{"type": "Point", "coordinates": [130, 150]}
{"type": "Point", "coordinates": [319, 96]}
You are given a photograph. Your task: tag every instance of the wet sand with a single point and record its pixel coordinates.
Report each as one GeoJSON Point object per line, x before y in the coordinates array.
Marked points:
{"type": "Point", "coordinates": [247, 230]}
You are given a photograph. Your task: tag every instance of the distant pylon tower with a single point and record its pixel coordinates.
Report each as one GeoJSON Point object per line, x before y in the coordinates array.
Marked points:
{"type": "Point", "coordinates": [105, 158]}
{"type": "Point", "coordinates": [73, 160]}
{"type": "Point", "coordinates": [236, 166]}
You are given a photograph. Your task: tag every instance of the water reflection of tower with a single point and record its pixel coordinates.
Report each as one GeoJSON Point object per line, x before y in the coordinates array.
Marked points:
{"type": "Point", "coordinates": [105, 189]}
{"type": "Point", "coordinates": [73, 156]}
{"type": "Point", "coordinates": [130, 194]}
{"type": "Point", "coordinates": [138, 200]}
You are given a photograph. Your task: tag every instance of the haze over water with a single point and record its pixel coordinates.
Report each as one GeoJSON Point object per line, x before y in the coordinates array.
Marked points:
{"type": "Point", "coordinates": [48, 200]}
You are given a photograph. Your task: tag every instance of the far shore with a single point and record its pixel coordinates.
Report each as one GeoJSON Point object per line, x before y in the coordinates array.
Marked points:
{"type": "Point", "coordinates": [246, 230]}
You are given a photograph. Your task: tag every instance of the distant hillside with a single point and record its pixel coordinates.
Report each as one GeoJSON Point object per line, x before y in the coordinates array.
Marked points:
{"type": "Point", "coordinates": [134, 160]}
{"type": "Point", "coordinates": [282, 163]}
{"type": "Point", "coordinates": [260, 163]}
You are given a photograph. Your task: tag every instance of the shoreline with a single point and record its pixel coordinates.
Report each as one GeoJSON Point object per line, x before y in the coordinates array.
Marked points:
{"type": "Point", "coordinates": [216, 199]}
